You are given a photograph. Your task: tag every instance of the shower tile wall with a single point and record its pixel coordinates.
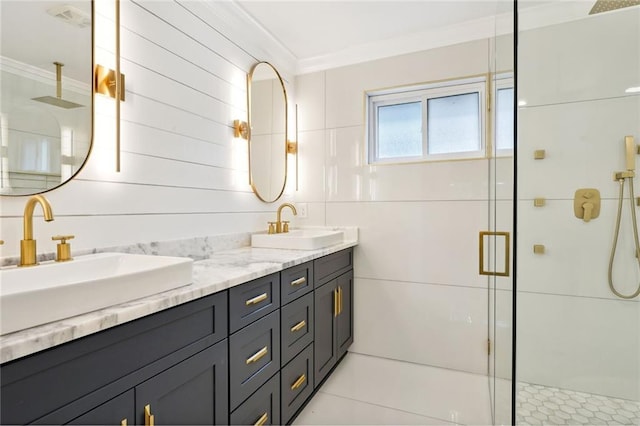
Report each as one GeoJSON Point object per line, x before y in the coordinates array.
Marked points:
{"type": "Point", "coordinates": [418, 295]}
{"type": "Point", "coordinates": [183, 173]}
{"type": "Point", "coordinates": [573, 333]}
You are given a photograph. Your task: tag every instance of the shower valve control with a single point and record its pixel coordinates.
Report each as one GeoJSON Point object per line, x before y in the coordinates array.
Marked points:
{"type": "Point", "coordinates": [586, 204]}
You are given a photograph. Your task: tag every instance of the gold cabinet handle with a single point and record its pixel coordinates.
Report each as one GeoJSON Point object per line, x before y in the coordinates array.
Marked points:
{"type": "Point", "coordinates": [262, 420]}
{"type": "Point", "coordinates": [299, 326]}
{"type": "Point", "coordinates": [299, 281]}
{"type": "Point", "coordinates": [149, 419]}
{"type": "Point", "coordinates": [339, 300]}
{"type": "Point", "coordinates": [123, 422]}
{"type": "Point", "coordinates": [335, 303]}
{"type": "Point", "coordinates": [255, 357]}
{"type": "Point", "coordinates": [256, 299]}
{"type": "Point", "coordinates": [298, 382]}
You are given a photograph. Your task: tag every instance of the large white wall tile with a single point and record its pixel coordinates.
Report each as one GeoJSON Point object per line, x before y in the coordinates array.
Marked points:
{"type": "Point", "coordinates": [310, 90]}
{"type": "Point", "coordinates": [592, 58]}
{"type": "Point", "coordinates": [579, 343]}
{"type": "Point", "coordinates": [437, 325]}
{"type": "Point", "coordinates": [584, 144]}
{"type": "Point", "coordinates": [311, 174]}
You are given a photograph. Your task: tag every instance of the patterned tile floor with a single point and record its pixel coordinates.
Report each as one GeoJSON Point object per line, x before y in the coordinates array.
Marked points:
{"type": "Point", "coordinates": [542, 405]}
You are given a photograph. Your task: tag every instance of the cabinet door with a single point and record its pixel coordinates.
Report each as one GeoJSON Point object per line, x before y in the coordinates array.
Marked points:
{"type": "Point", "coordinates": [344, 320]}
{"type": "Point", "coordinates": [114, 412]}
{"type": "Point", "coordinates": [325, 350]}
{"type": "Point", "coordinates": [191, 392]}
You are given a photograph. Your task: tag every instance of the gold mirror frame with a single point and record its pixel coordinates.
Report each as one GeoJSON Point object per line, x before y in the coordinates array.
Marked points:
{"type": "Point", "coordinates": [252, 157]}
{"type": "Point", "coordinates": [91, 121]}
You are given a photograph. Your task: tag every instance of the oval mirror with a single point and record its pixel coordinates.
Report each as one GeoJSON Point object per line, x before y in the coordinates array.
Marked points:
{"type": "Point", "coordinates": [46, 87]}
{"type": "Point", "coordinates": [268, 135]}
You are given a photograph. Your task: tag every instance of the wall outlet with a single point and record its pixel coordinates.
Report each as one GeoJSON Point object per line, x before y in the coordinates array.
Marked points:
{"type": "Point", "coordinates": [302, 210]}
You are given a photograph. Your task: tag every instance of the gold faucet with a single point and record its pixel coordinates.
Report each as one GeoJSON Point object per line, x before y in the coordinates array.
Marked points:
{"type": "Point", "coordinates": [28, 244]}
{"type": "Point", "coordinates": [279, 227]}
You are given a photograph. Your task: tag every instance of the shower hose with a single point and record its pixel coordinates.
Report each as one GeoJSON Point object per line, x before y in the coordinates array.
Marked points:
{"type": "Point", "coordinates": [617, 232]}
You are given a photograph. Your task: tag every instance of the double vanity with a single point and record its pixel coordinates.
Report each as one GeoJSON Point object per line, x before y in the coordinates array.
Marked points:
{"type": "Point", "coordinates": [247, 340]}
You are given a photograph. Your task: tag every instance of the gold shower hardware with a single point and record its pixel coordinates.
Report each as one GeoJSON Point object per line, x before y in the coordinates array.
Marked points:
{"type": "Point", "coordinates": [149, 419]}
{"type": "Point", "coordinates": [624, 175]}
{"type": "Point", "coordinates": [586, 204]}
{"type": "Point", "coordinates": [539, 154]}
{"type": "Point", "coordinates": [28, 244]}
{"type": "Point", "coordinates": [241, 129]}
{"type": "Point", "coordinates": [638, 201]}
{"type": "Point", "coordinates": [507, 245]}
{"type": "Point", "coordinates": [299, 326]}
{"type": "Point", "coordinates": [539, 202]}
{"type": "Point", "coordinates": [262, 420]}
{"type": "Point", "coordinates": [58, 101]}
{"type": "Point", "coordinates": [631, 150]}
{"type": "Point", "coordinates": [256, 299]}
{"type": "Point", "coordinates": [299, 281]}
{"type": "Point", "coordinates": [255, 357]}
{"type": "Point", "coordinates": [298, 382]}
{"type": "Point", "coordinates": [63, 248]}
{"type": "Point", "coordinates": [538, 249]}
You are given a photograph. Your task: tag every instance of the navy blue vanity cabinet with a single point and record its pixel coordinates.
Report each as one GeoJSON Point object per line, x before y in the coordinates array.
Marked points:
{"type": "Point", "coordinates": [109, 376]}
{"type": "Point", "coordinates": [333, 311]}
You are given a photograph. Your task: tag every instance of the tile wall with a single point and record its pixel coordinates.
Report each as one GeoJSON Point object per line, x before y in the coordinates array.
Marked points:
{"type": "Point", "coordinates": [573, 333]}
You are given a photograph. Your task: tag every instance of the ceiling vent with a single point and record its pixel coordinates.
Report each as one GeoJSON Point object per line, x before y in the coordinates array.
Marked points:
{"type": "Point", "coordinates": [71, 15]}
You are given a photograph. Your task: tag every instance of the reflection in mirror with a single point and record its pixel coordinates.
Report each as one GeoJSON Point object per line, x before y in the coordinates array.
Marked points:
{"type": "Point", "coordinates": [46, 102]}
{"type": "Point", "coordinates": [268, 136]}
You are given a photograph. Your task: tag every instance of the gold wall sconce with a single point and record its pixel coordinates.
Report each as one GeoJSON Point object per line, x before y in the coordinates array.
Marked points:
{"type": "Point", "coordinates": [111, 83]}
{"type": "Point", "coordinates": [240, 129]}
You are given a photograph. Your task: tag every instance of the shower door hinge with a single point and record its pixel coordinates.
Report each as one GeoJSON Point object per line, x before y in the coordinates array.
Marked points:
{"type": "Point", "coordinates": [488, 346]}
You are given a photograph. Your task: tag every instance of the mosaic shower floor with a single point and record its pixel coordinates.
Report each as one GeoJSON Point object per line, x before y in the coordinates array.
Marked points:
{"type": "Point", "coordinates": [542, 405]}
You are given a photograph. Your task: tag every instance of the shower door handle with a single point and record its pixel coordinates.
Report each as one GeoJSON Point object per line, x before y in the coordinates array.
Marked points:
{"type": "Point", "coordinates": [507, 256]}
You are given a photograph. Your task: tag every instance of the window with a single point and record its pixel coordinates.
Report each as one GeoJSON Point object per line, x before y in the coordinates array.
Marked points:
{"type": "Point", "coordinates": [429, 122]}
{"type": "Point", "coordinates": [504, 115]}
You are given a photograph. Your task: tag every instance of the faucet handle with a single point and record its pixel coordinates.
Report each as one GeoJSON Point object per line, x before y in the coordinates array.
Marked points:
{"type": "Point", "coordinates": [1, 242]}
{"type": "Point", "coordinates": [285, 226]}
{"type": "Point", "coordinates": [63, 248]}
{"type": "Point", "coordinates": [272, 227]}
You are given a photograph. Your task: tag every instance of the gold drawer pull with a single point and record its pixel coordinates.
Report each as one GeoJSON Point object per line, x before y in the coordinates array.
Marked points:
{"type": "Point", "coordinates": [298, 382]}
{"type": "Point", "coordinates": [123, 422]}
{"type": "Point", "coordinates": [335, 303]}
{"type": "Point", "coordinates": [256, 299]}
{"type": "Point", "coordinates": [262, 420]}
{"type": "Point", "coordinates": [149, 419]}
{"type": "Point", "coordinates": [298, 326]}
{"type": "Point", "coordinates": [299, 281]}
{"type": "Point", "coordinates": [255, 357]}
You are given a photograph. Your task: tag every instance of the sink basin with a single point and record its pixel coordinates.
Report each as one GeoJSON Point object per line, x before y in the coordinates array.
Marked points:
{"type": "Point", "coordinates": [298, 239]}
{"type": "Point", "coordinates": [56, 290]}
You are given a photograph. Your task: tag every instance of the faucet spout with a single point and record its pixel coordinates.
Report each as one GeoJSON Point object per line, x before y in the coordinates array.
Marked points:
{"type": "Point", "coordinates": [28, 244]}
{"type": "Point", "coordinates": [279, 215]}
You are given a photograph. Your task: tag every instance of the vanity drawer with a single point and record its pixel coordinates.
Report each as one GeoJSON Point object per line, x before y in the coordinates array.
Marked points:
{"type": "Point", "coordinates": [254, 356]}
{"type": "Point", "coordinates": [295, 282]}
{"type": "Point", "coordinates": [296, 327]}
{"type": "Point", "coordinates": [253, 300]}
{"type": "Point", "coordinates": [297, 383]}
{"type": "Point", "coordinates": [263, 407]}
{"type": "Point", "coordinates": [329, 267]}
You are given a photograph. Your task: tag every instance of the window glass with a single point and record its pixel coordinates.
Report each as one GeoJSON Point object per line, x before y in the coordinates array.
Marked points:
{"type": "Point", "coordinates": [453, 124]}
{"type": "Point", "coordinates": [504, 119]}
{"type": "Point", "coordinates": [400, 130]}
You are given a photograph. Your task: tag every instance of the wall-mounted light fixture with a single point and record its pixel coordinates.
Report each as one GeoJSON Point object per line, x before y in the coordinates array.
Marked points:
{"type": "Point", "coordinates": [292, 146]}
{"type": "Point", "coordinates": [240, 129]}
{"type": "Point", "coordinates": [111, 83]}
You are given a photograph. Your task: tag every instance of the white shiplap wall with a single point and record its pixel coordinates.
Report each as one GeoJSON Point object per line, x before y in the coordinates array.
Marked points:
{"type": "Point", "coordinates": [183, 174]}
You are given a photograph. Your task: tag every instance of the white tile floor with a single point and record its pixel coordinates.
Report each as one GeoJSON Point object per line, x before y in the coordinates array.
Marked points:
{"type": "Point", "coordinates": [375, 391]}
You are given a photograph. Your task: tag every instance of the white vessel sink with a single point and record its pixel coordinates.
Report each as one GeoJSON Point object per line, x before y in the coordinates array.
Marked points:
{"type": "Point", "coordinates": [53, 291]}
{"type": "Point", "coordinates": [298, 239]}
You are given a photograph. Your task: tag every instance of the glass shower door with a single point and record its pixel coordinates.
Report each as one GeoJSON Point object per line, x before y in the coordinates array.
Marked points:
{"type": "Point", "coordinates": [578, 343]}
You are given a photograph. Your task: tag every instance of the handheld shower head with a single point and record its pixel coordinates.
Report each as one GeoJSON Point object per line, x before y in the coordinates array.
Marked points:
{"type": "Point", "coordinates": [630, 153]}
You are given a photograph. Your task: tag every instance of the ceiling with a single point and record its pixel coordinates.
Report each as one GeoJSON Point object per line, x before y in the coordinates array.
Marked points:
{"type": "Point", "coordinates": [310, 28]}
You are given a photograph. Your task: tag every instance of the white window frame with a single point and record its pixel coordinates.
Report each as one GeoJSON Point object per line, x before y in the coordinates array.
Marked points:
{"type": "Point", "coordinates": [502, 81]}
{"type": "Point", "coordinates": [422, 93]}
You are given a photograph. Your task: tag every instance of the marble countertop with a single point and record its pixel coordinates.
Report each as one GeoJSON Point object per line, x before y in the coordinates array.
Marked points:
{"type": "Point", "coordinates": [220, 271]}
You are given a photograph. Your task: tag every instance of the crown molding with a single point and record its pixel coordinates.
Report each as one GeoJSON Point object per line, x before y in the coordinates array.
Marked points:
{"type": "Point", "coordinates": [41, 75]}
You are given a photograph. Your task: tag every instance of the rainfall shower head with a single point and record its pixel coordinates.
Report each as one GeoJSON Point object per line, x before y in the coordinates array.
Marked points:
{"type": "Point", "coordinates": [608, 5]}
{"type": "Point", "coordinates": [57, 100]}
